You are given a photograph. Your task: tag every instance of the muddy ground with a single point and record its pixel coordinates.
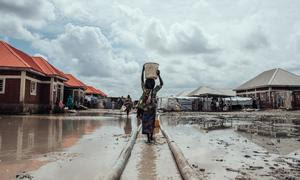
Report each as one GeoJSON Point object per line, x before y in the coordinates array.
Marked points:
{"type": "Point", "coordinates": [230, 154]}
{"type": "Point", "coordinates": [86, 144]}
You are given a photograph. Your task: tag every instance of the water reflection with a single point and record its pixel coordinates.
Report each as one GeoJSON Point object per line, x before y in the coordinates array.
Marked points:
{"type": "Point", "coordinates": [276, 134]}
{"type": "Point", "coordinates": [23, 137]}
{"type": "Point", "coordinates": [127, 126]}
{"type": "Point", "coordinates": [147, 165]}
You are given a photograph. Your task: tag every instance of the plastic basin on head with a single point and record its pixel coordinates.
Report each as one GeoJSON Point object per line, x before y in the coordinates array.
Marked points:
{"type": "Point", "coordinates": [151, 70]}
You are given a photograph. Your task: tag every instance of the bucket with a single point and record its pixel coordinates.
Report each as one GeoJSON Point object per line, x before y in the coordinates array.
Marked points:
{"type": "Point", "coordinates": [151, 70]}
{"type": "Point", "coordinates": [157, 121]}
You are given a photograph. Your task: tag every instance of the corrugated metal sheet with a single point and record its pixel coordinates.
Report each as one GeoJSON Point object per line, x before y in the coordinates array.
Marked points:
{"type": "Point", "coordinates": [13, 58]}
{"type": "Point", "coordinates": [92, 90]}
{"type": "Point", "coordinates": [10, 57]}
{"type": "Point", "coordinates": [273, 77]}
{"type": "Point", "coordinates": [47, 68]}
{"type": "Point", "coordinates": [74, 82]}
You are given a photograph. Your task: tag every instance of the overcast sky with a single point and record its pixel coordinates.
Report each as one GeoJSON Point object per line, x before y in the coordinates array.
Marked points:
{"type": "Point", "coordinates": [197, 42]}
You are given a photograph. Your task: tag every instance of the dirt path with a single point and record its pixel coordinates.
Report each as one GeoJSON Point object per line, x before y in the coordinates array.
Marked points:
{"type": "Point", "coordinates": [151, 161]}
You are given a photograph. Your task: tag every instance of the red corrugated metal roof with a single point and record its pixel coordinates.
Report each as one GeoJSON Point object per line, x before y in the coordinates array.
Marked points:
{"type": "Point", "coordinates": [47, 68]}
{"type": "Point", "coordinates": [11, 57]}
{"type": "Point", "coordinates": [92, 90]}
{"type": "Point", "coordinates": [74, 82]}
{"type": "Point", "coordinates": [103, 94]}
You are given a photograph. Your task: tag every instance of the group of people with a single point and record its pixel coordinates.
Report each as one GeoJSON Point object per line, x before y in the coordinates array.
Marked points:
{"type": "Point", "coordinates": [217, 104]}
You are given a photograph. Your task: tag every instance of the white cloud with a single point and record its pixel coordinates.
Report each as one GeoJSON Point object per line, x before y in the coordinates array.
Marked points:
{"type": "Point", "coordinates": [186, 38]}
{"type": "Point", "coordinates": [207, 42]}
{"type": "Point", "coordinates": [256, 40]}
{"type": "Point", "coordinates": [13, 27]}
{"type": "Point", "coordinates": [19, 18]}
{"type": "Point", "coordinates": [86, 52]}
{"type": "Point", "coordinates": [34, 10]}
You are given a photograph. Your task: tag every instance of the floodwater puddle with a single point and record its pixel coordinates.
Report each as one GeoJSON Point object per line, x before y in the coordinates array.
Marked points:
{"type": "Point", "coordinates": [230, 154]}
{"type": "Point", "coordinates": [54, 147]}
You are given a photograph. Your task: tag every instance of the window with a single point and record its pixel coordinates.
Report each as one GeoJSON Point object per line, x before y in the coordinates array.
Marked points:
{"type": "Point", "coordinates": [33, 85]}
{"type": "Point", "coordinates": [2, 86]}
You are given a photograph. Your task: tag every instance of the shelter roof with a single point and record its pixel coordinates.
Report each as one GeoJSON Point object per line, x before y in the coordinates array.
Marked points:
{"type": "Point", "coordinates": [273, 77]}
{"type": "Point", "coordinates": [92, 90]}
{"type": "Point", "coordinates": [204, 91]}
{"type": "Point", "coordinates": [183, 94]}
{"type": "Point", "coordinates": [74, 82]}
{"type": "Point", "coordinates": [47, 68]}
{"type": "Point", "coordinates": [11, 57]}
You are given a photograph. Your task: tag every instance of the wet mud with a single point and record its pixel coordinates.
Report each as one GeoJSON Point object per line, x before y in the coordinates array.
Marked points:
{"type": "Point", "coordinates": [231, 154]}
{"type": "Point", "coordinates": [86, 144]}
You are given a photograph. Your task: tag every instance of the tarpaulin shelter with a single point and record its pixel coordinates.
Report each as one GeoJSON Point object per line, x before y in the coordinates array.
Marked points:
{"type": "Point", "coordinates": [184, 94]}
{"type": "Point", "coordinates": [204, 91]}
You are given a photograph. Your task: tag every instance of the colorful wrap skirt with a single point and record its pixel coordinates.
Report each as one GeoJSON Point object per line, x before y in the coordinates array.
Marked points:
{"type": "Point", "coordinates": [148, 122]}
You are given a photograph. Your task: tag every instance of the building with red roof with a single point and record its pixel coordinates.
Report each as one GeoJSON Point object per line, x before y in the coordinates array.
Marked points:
{"type": "Point", "coordinates": [102, 93]}
{"type": "Point", "coordinates": [28, 84]}
{"type": "Point", "coordinates": [90, 90]}
{"type": "Point", "coordinates": [48, 68]}
{"type": "Point", "coordinates": [93, 96]}
{"type": "Point", "coordinates": [74, 91]}
{"type": "Point", "coordinates": [74, 82]}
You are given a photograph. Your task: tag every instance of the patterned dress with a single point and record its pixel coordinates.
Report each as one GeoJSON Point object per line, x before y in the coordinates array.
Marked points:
{"type": "Point", "coordinates": [148, 104]}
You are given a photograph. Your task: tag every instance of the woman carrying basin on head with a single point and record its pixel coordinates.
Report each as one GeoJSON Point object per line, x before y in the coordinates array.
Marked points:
{"type": "Point", "coordinates": [148, 102]}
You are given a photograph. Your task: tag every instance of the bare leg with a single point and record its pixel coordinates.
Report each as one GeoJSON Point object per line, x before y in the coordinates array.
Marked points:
{"type": "Point", "coordinates": [148, 138]}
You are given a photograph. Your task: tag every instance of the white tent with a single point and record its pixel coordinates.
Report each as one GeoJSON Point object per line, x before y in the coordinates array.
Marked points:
{"type": "Point", "coordinates": [243, 101]}
{"type": "Point", "coordinates": [204, 91]}
{"type": "Point", "coordinates": [184, 94]}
